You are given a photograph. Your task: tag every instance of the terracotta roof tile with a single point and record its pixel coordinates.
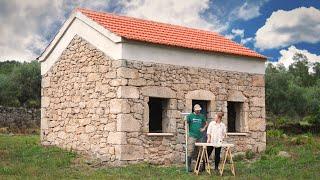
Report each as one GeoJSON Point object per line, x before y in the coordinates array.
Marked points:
{"type": "Point", "coordinates": [167, 34]}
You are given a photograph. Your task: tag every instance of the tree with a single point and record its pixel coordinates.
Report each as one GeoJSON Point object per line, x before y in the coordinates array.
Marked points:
{"type": "Point", "coordinates": [7, 93]}
{"type": "Point", "coordinates": [316, 70]}
{"type": "Point", "coordinates": [27, 82]}
{"type": "Point", "coordinates": [277, 84]}
{"type": "Point", "coordinates": [20, 83]}
{"type": "Point", "coordinates": [300, 70]}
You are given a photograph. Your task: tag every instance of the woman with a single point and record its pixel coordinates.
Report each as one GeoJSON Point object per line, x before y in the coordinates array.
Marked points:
{"type": "Point", "coordinates": [216, 132]}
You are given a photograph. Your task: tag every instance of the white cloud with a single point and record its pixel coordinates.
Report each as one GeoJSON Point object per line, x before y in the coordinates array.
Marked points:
{"type": "Point", "coordinates": [246, 40]}
{"type": "Point", "coordinates": [235, 33]}
{"type": "Point", "coordinates": [247, 11]}
{"type": "Point", "coordinates": [284, 28]}
{"type": "Point", "coordinates": [239, 33]}
{"type": "Point", "coordinates": [286, 57]}
{"type": "Point", "coordinates": [28, 26]}
{"type": "Point", "coordinates": [21, 24]}
{"type": "Point", "coordinates": [186, 13]}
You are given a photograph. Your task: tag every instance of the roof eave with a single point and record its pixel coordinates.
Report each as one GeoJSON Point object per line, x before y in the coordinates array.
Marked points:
{"type": "Point", "coordinates": [77, 14]}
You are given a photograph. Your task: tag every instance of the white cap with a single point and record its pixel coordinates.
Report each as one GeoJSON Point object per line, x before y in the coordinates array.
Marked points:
{"type": "Point", "coordinates": [197, 107]}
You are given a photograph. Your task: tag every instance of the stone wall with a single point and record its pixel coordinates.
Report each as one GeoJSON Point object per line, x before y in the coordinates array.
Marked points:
{"type": "Point", "coordinates": [76, 93]}
{"type": "Point", "coordinates": [100, 106]}
{"type": "Point", "coordinates": [19, 120]}
{"type": "Point", "coordinates": [180, 85]}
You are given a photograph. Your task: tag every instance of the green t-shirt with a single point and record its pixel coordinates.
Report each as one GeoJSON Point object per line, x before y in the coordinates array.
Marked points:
{"type": "Point", "coordinates": [195, 124]}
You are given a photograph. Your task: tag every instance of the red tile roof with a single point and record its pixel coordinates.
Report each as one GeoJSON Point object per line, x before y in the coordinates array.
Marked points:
{"type": "Point", "coordinates": [167, 34]}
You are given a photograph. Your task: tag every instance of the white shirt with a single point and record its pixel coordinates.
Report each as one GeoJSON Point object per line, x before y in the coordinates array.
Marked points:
{"type": "Point", "coordinates": [217, 132]}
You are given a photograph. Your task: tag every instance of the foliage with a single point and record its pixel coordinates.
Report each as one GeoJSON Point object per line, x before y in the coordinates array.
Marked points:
{"type": "Point", "coordinates": [238, 157]}
{"type": "Point", "coordinates": [274, 133]}
{"type": "Point", "coordinates": [293, 94]}
{"type": "Point", "coordinates": [20, 84]}
{"type": "Point", "coordinates": [281, 121]}
{"type": "Point", "coordinates": [250, 154]}
{"type": "Point", "coordinates": [272, 150]}
{"type": "Point", "coordinates": [303, 140]}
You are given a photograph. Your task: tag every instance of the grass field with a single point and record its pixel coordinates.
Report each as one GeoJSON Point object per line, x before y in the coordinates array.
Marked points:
{"type": "Point", "coordinates": [22, 157]}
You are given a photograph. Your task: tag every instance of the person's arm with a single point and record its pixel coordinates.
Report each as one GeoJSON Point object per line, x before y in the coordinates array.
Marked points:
{"type": "Point", "coordinates": [205, 125]}
{"type": "Point", "coordinates": [224, 132]}
{"type": "Point", "coordinates": [208, 138]}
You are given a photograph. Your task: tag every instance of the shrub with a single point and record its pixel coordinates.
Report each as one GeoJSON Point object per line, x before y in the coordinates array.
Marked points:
{"type": "Point", "coordinates": [281, 121]}
{"type": "Point", "coordinates": [274, 133]}
{"type": "Point", "coordinates": [303, 139]}
{"type": "Point", "coordinates": [33, 103]}
{"type": "Point", "coordinates": [250, 154]}
{"type": "Point", "coordinates": [272, 150]}
{"type": "Point", "coordinates": [312, 119]}
{"type": "Point", "coordinates": [239, 157]}
{"type": "Point", "coordinates": [263, 157]}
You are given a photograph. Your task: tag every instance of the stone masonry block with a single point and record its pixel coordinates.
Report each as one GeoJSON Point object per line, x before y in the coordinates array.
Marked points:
{"type": "Point", "coordinates": [128, 92]}
{"type": "Point", "coordinates": [124, 72]}
{"type": "Point", "coordinates": [119, 106]}
{"type": "Point", "coordinates": [125, 122]}
{"type": "Point", "coordinates": [117, 138]}
{"type": "Point", "coordinates": [129, 152]}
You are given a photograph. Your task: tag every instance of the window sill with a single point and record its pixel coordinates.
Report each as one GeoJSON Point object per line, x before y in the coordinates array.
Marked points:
{"type": "Point", "coordinates": [237, 134]}
{"type": "Point", "coordinates": [160, 134]}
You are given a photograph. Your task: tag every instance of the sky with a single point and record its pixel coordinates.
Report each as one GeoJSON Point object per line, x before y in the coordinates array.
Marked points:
{"type": "Point", "coordinates": [275, 28]}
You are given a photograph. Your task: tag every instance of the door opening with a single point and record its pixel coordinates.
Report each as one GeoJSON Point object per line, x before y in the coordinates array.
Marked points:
{"type": "Point", "coordinates": [204, 106]}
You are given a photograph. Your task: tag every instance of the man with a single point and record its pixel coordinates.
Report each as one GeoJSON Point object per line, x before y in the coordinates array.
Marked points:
{"type": "Point", "coordinates": [197, 124]}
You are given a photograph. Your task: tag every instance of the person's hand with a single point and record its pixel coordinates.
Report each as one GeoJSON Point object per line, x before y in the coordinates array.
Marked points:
{"type": "Point", "coordinates": [202, 129]}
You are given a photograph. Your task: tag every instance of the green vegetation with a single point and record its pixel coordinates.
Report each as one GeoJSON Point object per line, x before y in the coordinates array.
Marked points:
{"type": "Point", "coordinates": [292, 95]}
{"type": "Point", "coordinates": [250, 154]}
{"type": "Point", "coordinates": [22, 157]}
{"type": "Point", "coordinates": [20, 84]}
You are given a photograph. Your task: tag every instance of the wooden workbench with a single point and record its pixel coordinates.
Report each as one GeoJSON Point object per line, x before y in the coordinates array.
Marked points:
{"type": "Point", "coordinates": [203, 157]}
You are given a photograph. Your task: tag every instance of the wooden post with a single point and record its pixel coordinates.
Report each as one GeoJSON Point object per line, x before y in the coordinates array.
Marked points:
{"type": "Point", "coordinates": [186, 138]}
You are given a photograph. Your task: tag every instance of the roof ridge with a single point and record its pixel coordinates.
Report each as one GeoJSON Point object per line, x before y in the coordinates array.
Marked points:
{"type": "Point", "coordinates": [151, 21]}
{"type": "Point", "coordinates": [156, 32]}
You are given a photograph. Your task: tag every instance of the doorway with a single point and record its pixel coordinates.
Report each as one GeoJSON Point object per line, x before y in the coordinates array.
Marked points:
{"type": "Point", "coordinates": [204, 106]}
{"type": "Point", "coordinates": [204, 110]}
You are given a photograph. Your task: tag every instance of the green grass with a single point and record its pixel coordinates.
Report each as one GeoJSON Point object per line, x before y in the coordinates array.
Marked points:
{"type": "Point", "coordinates": [22, 157]}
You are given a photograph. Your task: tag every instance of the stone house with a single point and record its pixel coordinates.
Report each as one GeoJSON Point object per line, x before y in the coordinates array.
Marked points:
{"type": "Point", "coordinates": [114, 87]}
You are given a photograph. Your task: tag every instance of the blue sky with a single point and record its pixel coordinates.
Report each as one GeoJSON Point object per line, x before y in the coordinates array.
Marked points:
{"type": "Point", "coordinates": [266, 10]}
{"type": "Point", "coordinates": [275, 28]}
